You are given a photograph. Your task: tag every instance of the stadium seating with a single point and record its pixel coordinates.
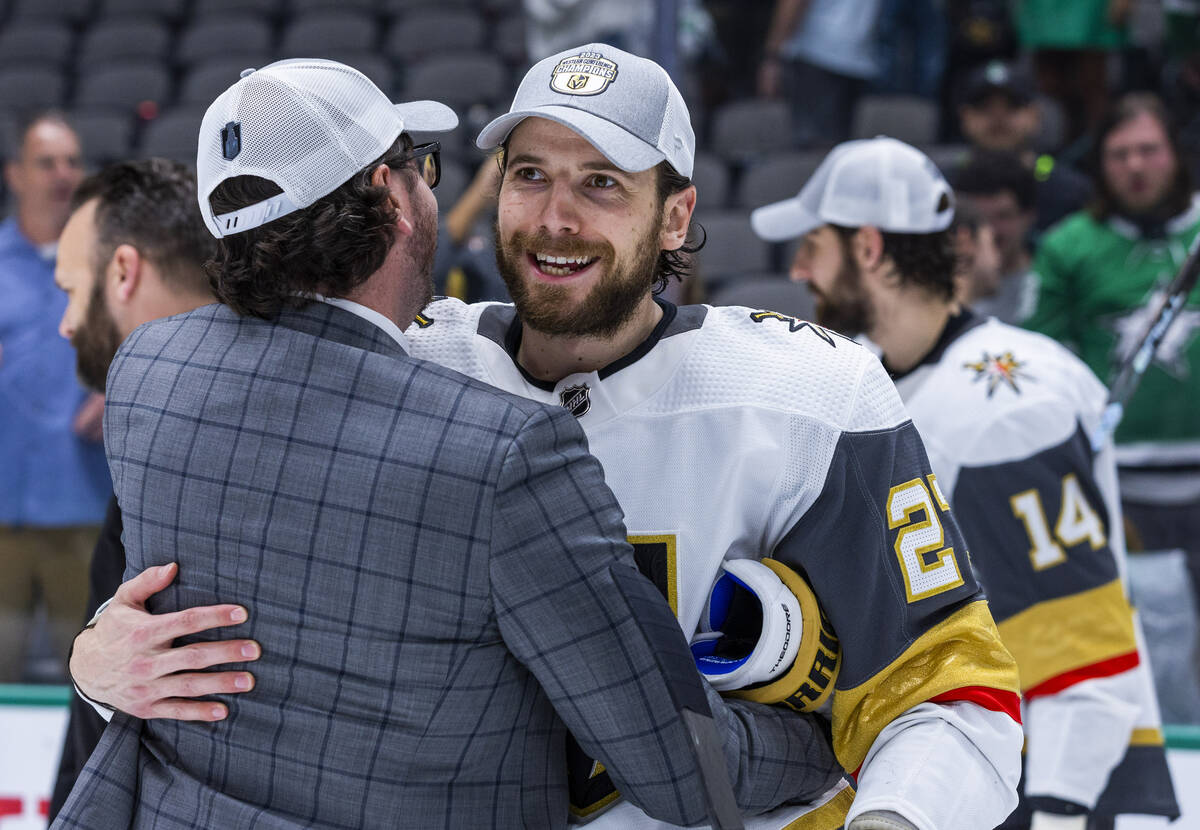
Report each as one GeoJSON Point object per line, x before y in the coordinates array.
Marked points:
{"type": "Point", "coordinates": [173, 135]}
{"type": "Point", "coordinates": [105, 135]}
{"type": "Point", "coordinates": [747, 129]}
{"type": "Point", "coordinates": [39, 41]}
{"type": "Point", "coordinates": [711, 177]}
{"type": "Point", "coordinates": [732, 249]}
{"type": "Point", "coordinates": [125, 86]}
{"type": "Point", "coordinates": [322, 31]}
{"type": "Point", "coordinates": [31, 87]}
{"type": "Point", "coordinates": [905, 117]}
{"type": "Point", "coordinates": [218, 36]}
{"type": "Point", "coordinates": [423, 33]}
{"type": "Point", "coordinates": [776, 177]}
{"type": "Point", "coordinates": [114, 40]}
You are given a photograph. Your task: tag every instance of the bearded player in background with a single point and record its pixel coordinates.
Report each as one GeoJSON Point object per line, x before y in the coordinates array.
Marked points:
{"type": "Point", "coordinates": [1008, 418]}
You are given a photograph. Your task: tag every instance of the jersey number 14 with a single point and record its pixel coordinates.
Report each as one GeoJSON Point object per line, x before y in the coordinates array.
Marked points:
{"type": "Point", "coordinates": [1077, 522]}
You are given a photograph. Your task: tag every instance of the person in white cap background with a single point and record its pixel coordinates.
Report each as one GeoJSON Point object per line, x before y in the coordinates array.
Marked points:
{"type": "Point", "coordinates": [282, 449]}
{"type": "Point", "coordinates": [1009, 419]}
{"type": "Point", "coordinates": [727, 435]}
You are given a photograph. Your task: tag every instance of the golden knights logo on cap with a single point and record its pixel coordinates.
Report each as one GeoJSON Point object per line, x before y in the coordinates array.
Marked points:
{"type": "Point", "coordinates": [588, 73]}
{"type": "Point", "coordinates": [576, 399]}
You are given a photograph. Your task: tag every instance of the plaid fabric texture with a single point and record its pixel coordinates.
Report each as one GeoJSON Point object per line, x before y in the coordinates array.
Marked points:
{"type": "Point", "coordinates": [429, 566]}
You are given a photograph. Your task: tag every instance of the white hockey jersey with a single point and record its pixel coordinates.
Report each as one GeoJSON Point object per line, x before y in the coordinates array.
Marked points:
{"type": "Point", "coordinates": [1007, 417]}
{"type": "Point", "coordinates": [734, 433]}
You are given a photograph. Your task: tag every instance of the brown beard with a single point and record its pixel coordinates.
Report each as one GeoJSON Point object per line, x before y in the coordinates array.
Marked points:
{"type": "Point", "coordinates": [845, 309]}
{"type": "Point", "coordinates": [96, 341]}
{"type": "Point", "coordinates": [610, 304]}
{"type": "Point", "coordinates": [422, 249]}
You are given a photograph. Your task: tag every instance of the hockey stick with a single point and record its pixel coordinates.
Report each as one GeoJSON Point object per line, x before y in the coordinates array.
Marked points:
{"type": "Point", "coordinates": [1130, 375]}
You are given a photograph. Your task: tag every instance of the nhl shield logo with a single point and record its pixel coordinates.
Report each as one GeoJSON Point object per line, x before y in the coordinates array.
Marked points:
{"type": "Point", "coordinates": [588, 73]}
{"type": "Point", "coordinates": [576, 399]}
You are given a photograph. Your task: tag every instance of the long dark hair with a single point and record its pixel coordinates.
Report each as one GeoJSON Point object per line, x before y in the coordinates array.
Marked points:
{"type": "Point", "coordinates": [1127, 108]}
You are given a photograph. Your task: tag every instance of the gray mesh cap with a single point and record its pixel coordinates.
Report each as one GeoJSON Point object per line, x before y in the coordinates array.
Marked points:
{"type": "Point", "coordinates": [626, 106]}
{"type": "Point", "coordinates": [876, 181]}
{"type": "Point", "coordinates": [308, 125]}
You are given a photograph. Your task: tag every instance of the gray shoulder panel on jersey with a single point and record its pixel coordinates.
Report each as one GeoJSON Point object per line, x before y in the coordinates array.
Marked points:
{"type": "Point", "coordinates": [1000, 541]}
{"type": "Point", "coordinates": [687, 318]}
{"type": "Point", "coordinates": [495, 322]}
{"type": "Point", "coordinates": [851, 553]}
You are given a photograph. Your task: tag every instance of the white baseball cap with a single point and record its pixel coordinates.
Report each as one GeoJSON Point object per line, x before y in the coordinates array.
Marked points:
{"type": "Point", "coordinates": [627, 107]}
{"type": "Point", "coordinates": [877, 181]}
{"type": "Point", "coordinates": [308, 125]}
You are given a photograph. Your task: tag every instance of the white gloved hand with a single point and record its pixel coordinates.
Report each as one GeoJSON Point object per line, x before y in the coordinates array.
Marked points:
{"type": "Point", "coordinates": [750, 629]}
{"type": "Point", "coordinates": [881, 820]}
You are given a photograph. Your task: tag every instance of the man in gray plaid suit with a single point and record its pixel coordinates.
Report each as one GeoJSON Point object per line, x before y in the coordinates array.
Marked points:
{"type": "Point", "coordinates": [437, 570]}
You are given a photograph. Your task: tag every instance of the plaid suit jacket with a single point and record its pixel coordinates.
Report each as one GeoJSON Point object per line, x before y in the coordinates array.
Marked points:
{"type": "Point", "coordinates": [435, 572]}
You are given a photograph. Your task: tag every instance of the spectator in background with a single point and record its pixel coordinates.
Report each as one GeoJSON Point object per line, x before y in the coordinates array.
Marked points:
{"type": "Point", "coordinates": [820, 54]}
{"type": "Point", "coordinates": [998, 113]}
{"type": "Point", "coordinates": [914, 37]}
{"type": "Point", "coordinates": [133, 251]}
{"type": "Point", "coordinates": [1100, 275]}
{"type": "Point", "coordinates": [1000, 190]}
{"type": "Point", "coordinates": [977, 265]}
{"type": "Point", "coordinates": [555, 25]}
{"type": "Point", "coordinates": [1071, 43]}
{"type": "Point", "coordinates": [53, 476]}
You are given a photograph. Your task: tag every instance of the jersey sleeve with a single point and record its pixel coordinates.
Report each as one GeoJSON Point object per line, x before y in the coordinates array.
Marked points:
{"type": "Point", "coordinates": [889, 564]}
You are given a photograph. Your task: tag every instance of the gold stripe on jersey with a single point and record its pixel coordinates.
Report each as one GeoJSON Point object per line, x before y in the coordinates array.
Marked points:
{"type": "Point", "coordinates": [667, 540]}
{"type": "Point", "coordinates": [829, 816]}
{"type": "Point", "coordinates": [1147, 736]}
{"type": "Point", "coordinates": [961, 651]}
{"type": "Point", "coordinates": [1060, 635]}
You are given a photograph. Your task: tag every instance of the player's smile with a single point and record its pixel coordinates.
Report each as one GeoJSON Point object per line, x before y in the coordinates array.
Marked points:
{"type": "Point", "coordinates": [551, 266]}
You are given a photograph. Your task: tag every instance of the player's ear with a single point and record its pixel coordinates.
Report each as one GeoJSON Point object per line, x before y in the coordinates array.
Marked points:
{"type": "Point", "coordinates": [867, 246]}
{"type": "Point", "coordinates": [677, 218]}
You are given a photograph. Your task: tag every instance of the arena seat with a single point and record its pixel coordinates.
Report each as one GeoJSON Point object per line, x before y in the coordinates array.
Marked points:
{"type": "Point", "coordinates": [776, 177]}
{"type": "Point", "coordinates": [422, 33]}
{"type": "Point", "coordinates": [907, 117]}
{"type": "Point", "coordinates": [39, 41]}
{"type": "Point", "coordinates": [224, 35]}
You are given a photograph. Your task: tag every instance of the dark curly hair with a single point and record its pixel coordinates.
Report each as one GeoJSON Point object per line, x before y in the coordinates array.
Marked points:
{"type": "Point", "coordinates": [150, 204]}
{"type": "Point", "coordinates": [676, 264]}
{"type": "Point", "coordinates": [330, 247]}
{"type": "Point", "coordinates": [924, 259]}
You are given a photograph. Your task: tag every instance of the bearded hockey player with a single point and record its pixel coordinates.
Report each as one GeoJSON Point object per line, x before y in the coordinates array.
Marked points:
{"type": "Point", "coordinates": [728, 434]}
{"type": "Point", "coordinates": [731, 435]}
{"type": "Point", "coordinates": [1007, 417]}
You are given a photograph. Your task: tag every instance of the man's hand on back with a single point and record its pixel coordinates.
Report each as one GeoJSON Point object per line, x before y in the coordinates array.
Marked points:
{"type": "Point", "coordinates": [127, 661]}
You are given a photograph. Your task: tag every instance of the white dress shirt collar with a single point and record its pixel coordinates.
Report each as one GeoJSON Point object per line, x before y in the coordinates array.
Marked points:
{"type": "Point", "coordinates": [370, 315]}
